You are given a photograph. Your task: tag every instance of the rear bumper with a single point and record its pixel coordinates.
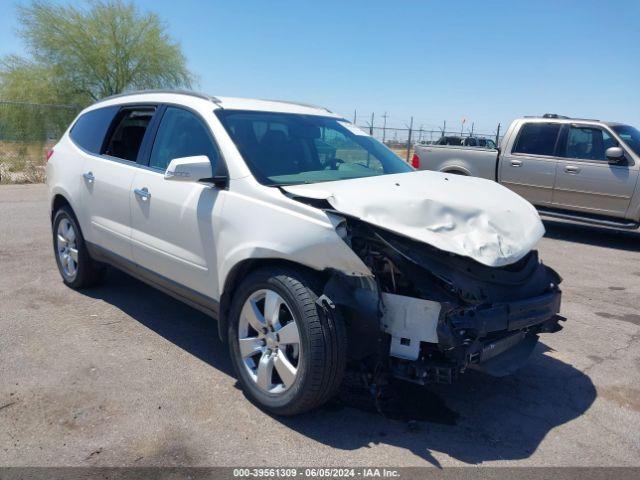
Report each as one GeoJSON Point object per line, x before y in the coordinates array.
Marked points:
{"type": "Point", "coordinates": [496, 340]}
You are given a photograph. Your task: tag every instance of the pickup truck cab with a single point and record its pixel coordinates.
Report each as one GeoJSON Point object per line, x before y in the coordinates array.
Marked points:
{"type": "Point", "coordinates": [570, 168]}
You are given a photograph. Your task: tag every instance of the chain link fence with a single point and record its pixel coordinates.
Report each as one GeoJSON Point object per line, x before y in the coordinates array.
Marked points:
{"type": "Point", "coordinates": [27, 132]}
{"type": "Point", "coordinates": [403, 140]}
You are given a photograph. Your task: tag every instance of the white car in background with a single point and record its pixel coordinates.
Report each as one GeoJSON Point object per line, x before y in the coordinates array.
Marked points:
{"type": "Point", "coordinates": [314, 246]}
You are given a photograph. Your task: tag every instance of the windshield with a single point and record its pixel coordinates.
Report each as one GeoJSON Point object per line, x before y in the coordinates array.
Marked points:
{"type": "Point", "coordinates": [289, 149]}
{"type": "Point", "coordinates": [629, 135]}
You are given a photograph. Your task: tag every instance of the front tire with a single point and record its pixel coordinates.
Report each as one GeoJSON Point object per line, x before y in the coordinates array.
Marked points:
{"type": "Point", "coordinates": [288, 354]}
{"type": "Point", "coordinates": [77, 269]}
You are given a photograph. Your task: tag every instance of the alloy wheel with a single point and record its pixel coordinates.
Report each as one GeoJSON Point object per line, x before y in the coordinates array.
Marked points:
{"type": "Point", "coordinates": [67, 248]}
{"type": "Point", "coordinates": [269, 341]}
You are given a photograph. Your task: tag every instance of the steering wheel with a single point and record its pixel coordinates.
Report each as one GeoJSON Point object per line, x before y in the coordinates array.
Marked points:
{"type": "Point", "coordinates": [335, 162]}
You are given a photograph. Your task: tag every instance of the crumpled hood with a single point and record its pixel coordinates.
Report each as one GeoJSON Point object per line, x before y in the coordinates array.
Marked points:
{"type": "Point", "coordinates": [468, 216]}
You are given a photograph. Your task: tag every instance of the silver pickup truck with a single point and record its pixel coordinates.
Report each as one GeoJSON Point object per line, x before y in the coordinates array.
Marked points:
{"type": "Point", "coordinates": [570, 168]}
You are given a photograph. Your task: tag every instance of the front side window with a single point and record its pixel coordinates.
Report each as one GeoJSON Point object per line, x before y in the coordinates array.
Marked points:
{"type": "Point", "coordinates": [127, 133]}
{"type": "Point", "coordinates": [181, 134]}
{"type": "Point", "coordinates": [537, 139]}
{"type": "Point", "coordinates": [629, 135]}
{"type": "Point", "coordinates": [89, 130]}
{"type": "Point", "coordinates": [588, 143]}
{"type": "Point", "coordinates": [285, 149]}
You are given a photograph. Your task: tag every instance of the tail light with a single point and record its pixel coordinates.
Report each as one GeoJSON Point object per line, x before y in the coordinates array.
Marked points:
{"type": "Point", "coordinates": [48, 154]}
{"type": "Point", "coordinates": [415, 161]}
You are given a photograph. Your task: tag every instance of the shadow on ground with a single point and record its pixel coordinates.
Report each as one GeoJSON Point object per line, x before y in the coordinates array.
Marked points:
{"type": "Point", "coordinates": [478, 419]}
{"type": "Point", "coordinates": [597, 236]}
{"type": "Point", "coordinates": [182, 325]}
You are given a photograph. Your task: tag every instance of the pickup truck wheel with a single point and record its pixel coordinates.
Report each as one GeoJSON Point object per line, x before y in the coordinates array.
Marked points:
{"type": "Point", "coordinates": [288, 355]}
{"type": "Point", "coordinates": [77, 268]}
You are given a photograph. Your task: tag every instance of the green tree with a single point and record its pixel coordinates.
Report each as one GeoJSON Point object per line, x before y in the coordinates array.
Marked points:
{"type": "Point", "coordinates": [77, 55]}
{"type": "Point", "coordinates": [84, 54]}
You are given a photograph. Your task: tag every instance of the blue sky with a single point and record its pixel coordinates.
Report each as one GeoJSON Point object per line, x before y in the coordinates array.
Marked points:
{"type": "Point", "coordinates": [488, 61]}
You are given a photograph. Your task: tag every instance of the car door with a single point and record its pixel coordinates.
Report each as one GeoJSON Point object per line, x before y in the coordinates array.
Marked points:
{"type": "Point", "coordinates": [107, 178]}
{"type": "Point", "coordinates": [173, 222]}
{"type": "Point", "coordinates": [529, 169]}
{"type": "Point", "coordinates": [585, 180]}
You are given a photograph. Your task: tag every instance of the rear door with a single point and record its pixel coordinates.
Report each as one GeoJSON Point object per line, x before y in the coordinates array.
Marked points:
{"type": "Point", "coordinates": [585, 179]}
{"type": "Point", "coordinates": [529, 169]}
{"type": "Point", "coordinates": [107, 176]}
{"type": "Point", "coordinates": [173, 222]}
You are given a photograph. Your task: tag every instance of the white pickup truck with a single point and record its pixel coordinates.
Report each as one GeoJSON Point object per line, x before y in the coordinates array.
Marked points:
{"type": "Point", "coordinates": [575, 169]}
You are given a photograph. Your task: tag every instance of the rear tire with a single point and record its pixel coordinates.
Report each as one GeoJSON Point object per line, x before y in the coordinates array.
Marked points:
{"type": "Point", "coordinates": [77, 269]}
{"type": "Point", "coordinates": [297, 363]}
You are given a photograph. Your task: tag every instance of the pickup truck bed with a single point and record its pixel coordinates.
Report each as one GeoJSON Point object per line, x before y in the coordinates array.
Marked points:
{"type": "Point", "coordinates": [472, 161]}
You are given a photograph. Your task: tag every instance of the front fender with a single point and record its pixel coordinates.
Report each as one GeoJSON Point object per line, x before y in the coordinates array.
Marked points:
{"type": "Point", "coordinates": [318, 254]}
{"type": "Point", "coordinates": [251, 229]}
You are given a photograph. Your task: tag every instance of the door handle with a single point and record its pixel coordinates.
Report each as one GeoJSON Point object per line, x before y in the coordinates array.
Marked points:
{"type": "Point", "coordinates": [516, 163]}
{"type": "Point", "coordinates": [572, 169]}
{"type": "Point", "coordinates": [142, 193]}
{"type": "Point", "coordinates": [89, 177]}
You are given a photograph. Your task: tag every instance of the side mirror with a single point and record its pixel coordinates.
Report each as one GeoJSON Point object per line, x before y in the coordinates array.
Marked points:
{"type": "Point", "coordinates": [189, 169]}
{"type": "Point", "coordinates": [614, 155]}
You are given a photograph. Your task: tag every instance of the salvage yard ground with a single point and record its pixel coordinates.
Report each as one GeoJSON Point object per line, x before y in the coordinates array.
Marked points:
{"type": "Point", "coordinates": [124, 375]}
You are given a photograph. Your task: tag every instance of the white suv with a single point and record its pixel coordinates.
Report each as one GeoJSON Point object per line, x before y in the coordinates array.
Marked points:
{"type": "Point", "coordinates": [314, 246]}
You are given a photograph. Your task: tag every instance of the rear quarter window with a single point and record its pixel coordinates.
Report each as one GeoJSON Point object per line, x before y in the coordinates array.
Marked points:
{"type": "Point", "coordinates": [90, 129]}
{"type": "Point", "coordinates": [537, 139]}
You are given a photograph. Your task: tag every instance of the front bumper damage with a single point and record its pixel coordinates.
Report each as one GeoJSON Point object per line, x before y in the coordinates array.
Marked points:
{"type": "Point", "coordinates": [428, 315]}
{"type": "Point", "coordinates": [496, 340]}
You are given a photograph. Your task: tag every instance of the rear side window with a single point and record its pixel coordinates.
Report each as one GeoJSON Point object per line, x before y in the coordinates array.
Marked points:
{"type": "Point", "coordinates": [90, 129]}
{"type": "Point", "coordinates": [127, 132]}
{"type": "Point", "coordinates": [537, 139]}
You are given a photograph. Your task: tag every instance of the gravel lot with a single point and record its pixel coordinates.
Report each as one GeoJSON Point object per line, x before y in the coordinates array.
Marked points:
{"type": "Point", "coordinates": [124, 375]}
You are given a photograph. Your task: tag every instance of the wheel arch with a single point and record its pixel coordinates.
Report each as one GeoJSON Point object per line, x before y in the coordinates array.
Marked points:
{"type": "Point", "coordinates": [57, 202]}
{"type": "Point", "coordinates": [59, 198]}
{"type": "Point", "coordinates": [456, 171]}
{"type": "Point", "coordinates": [245, 267]}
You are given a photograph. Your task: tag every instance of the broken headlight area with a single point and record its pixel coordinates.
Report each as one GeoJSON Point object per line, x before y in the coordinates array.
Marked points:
{"type": "Point", "coordinates": [429, 315]}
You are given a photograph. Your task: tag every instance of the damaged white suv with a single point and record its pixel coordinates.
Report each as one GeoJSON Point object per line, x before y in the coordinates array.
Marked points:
{"type": "Point", "coordinates": [315, 247]}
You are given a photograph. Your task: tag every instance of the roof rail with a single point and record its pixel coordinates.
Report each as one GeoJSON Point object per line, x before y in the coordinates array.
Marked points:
{"type": "Point", "coordinates": [561, 117]}
{"type": "Point", "coordinates": [191, 93]}
{"type": "Point", "coordinates": [585, 119]}
{"type": "Point", "coordinates": [300, 104]}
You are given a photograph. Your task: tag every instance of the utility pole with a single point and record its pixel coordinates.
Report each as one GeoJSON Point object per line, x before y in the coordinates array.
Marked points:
{"type": "Point", "coordinates": [498, 135]}
{"type": "Point", "coordinates": [355, 116]}
{"type": "Point", "coordinates": [384, 126]}
{"type": "Point", "coordinates": [444, 128]}
{"type": "Point", "coordinates": [472, 124]}
{"type": "Point", "coordinates": [409, 139]}
{"type": "Point", "coordinates": [371, 125]}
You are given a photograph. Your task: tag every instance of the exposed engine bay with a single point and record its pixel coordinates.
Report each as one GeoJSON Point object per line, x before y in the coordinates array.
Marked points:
{"type": "Point", "coordinates": [431, 314]}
